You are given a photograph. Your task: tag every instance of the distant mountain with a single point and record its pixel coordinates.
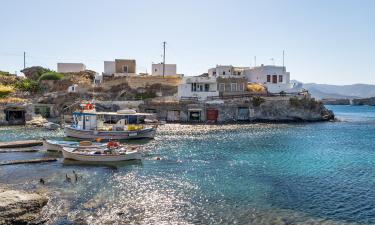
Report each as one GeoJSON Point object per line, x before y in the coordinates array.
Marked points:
{"type": "Point", "coordinates": [340, 91]}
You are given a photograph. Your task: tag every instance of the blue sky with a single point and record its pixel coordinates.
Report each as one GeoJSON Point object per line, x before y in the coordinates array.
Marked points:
{"type": "Point", "coordinates": [325, 41]}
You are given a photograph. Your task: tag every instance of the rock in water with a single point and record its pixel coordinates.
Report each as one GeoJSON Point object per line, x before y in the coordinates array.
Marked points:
{"type": "Point", "coordinates": [18, 207]}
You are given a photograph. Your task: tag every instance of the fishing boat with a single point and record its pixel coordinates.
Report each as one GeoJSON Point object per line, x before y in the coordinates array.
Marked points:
{"type": "Point", "coordinates": [120, 125]}
{"type": "Point", "coordinates": [98, 154]}
{"type": "Point", "coordinates": [57, 146]}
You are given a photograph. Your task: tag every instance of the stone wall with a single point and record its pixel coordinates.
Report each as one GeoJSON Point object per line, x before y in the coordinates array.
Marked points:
{"type": "Point", "coordinates": [136, 82]}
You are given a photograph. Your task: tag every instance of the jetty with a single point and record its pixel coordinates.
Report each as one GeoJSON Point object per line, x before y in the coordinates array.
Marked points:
{"type": "Point", "coordinates": [14, 162]}
{"type": "Point", "coordinates": [20, 144]}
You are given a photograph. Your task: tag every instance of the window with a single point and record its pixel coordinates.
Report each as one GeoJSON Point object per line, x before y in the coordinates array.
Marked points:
{"type": "Point", "coordinates": [222, 87]}
{"type": "Point", "coordinates": [241, 87]}
{"type": "Point", "coordinates": [214, 73]}
{"type": "Point", "coordinates": [125, 69]}
{"type": "Point", "coordinates": [193, 87]}
{"type": "Point", "coordinates": [274, 79]}
{"type": "Point", "coordinates": [238, 73]}
{"type": "Point", "coordinates": [233, 87]}
{"type": "Point", "coordinates": [223, 72]}
{"type": "Point", "coordinates": [268, 78]}
{"type": "Point", "coordinates": [280, 78]}
{"type": "Point", "coordinates": [206, 87]}
{"type": "Point", "coordinates": [156, 70]}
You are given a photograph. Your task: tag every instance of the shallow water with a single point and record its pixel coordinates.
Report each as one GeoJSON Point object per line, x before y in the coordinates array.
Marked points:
{"type": "Point", "coordinates": [319, 173]}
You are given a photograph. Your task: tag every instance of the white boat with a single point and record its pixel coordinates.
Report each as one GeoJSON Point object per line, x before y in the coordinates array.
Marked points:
{"type": "Point", "coordinates": [57, 146]}
{"type": "Point", "coordinates": [99, 155]}
{"type": "Point", "coordinates": [125, 124]}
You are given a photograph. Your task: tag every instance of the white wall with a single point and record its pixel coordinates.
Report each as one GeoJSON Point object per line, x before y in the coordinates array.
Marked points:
{"type": "Point", "coordinates": [70, 67]}
{"type": "Point", "coordinates": [170, 69]}
{"type": "Point", "coordinates": [185, 89]}
{"type": "Point", "coordinates": [259, 75]}
{"type": "Point", "coordinates": [109, 67]}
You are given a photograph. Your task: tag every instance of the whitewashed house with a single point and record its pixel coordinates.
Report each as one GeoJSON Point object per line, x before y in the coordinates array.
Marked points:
{"type": "Point", "coordinates": [70, 67]}
{"type": "Point", "coordinates": [227, 71]}
{"type": "Point", "coordinates": [73, 88]}
{"type": "Point", "coordinates": [170, 69]}
{"type": "Point", "coordinates": [275, 78]}
{"type": "Point", "coordinates": [199, 87]}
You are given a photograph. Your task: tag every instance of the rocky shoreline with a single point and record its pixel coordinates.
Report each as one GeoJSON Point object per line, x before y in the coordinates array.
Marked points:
{"type": "Point", "coordinates": [20, 207]}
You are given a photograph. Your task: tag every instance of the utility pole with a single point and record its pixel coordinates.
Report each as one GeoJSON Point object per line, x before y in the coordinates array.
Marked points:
{"type": "Point", "coordinates": [164, 58]}
{"type": "Point", "coordinates": [255, 61]}
{"type": "Point", "coordinates": [24, 60]}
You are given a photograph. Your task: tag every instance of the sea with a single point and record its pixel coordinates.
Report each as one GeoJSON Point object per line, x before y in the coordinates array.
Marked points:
{"type": "Point", "coordinates": [261, 173]}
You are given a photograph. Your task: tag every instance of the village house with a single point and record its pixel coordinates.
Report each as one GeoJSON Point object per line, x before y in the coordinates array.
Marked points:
{"type": "Point", "coordinates": [275, 78]}
{"type": "Point", "coordinates": [199, 87]}
{"type": "Point", "coordinates": [170, 69]}
{"type": "Point", "coordinates": [230, 80]}
{"type": "Point", "coordinates": [120, 67]}
{"type": "Point", "coordinates": [70, 67]}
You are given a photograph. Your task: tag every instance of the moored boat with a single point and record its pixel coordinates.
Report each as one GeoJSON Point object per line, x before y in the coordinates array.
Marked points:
{"type": "Point", "coordinates": [100, 154]}
{"type": "Point", "coordinates": [57, 146]}
{"type": "Point", "coordinates": [125, 124]}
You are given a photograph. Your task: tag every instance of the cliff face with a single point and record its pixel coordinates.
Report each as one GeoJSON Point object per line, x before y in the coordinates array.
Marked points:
{"type": "Point", "coordinates": [272, 109]}
{"type": "Point", "coordinates": [308, 110]}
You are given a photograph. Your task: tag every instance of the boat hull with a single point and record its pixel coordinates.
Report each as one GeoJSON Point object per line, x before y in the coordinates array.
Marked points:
{"type": "Point", "coordinates": [118, 135]}
{"type": "Point", "coordinates": [69, 154]}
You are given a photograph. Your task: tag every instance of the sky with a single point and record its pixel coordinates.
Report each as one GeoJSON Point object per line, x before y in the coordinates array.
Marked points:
{"type": "Point", "coordinates": [325, 41]}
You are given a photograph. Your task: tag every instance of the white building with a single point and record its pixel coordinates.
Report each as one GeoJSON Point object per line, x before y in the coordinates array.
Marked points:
{"type": "Point", "coordinates": [275, 78]}
{"type": "Point", "coordinates": [98, 79]}
{"type": "Point", "coordinates": [73, 88]}
{"type": "Point", "coordinates": [170, 69]}
{"type": "Point", "coordinates": [199, 87]}
{"type": "Point", "coordinates": [109, 68]}
{"type": "Point", "coordinates": [227, 71]}
{"type": "Point", "coordinates": [70, 67]}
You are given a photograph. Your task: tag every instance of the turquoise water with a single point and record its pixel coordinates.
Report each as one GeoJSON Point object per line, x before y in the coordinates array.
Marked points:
{"type": "Point", "coordinates": [244, 174]}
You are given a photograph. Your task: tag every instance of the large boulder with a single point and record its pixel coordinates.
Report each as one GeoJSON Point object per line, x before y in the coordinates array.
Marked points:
{"type": "Point", "coordinates": [18, 207]}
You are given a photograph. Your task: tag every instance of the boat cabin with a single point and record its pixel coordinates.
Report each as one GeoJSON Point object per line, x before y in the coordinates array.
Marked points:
{"type": "Point", "coordinates": [117, 121]}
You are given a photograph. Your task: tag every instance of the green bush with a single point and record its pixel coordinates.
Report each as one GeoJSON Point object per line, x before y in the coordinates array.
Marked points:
{"type": "Point", "coordinates": [145, 95]}
{"type": "Point", "coordinates": [257, 101]}
{"type": "Point", "coordinates": [307, 103]}
{"type": "Point", "coordinates": [51, 76]}
{"type": "Point", "coordinates": [3, 73]}
{"type": "Point", "coordinates": [28, 85]}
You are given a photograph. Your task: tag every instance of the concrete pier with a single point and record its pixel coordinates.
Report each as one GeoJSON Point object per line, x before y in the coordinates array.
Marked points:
{"type": "Point", "coordinates": [14, 162]}
{"type": "Point", "coordinates": [20, 144]}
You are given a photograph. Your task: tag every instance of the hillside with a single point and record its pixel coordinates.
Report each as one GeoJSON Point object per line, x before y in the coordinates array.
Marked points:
{"type": "Point", "coordinates": [340, 91]}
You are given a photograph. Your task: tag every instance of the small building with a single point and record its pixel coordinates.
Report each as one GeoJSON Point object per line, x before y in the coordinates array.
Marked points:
{"type": "Point", "coordinates": [109, 68]}
{"type": "Point", "coordinates": [125, 67]}
{"type": "Point", "coordinates": [199, 87]}
{"type": "Point", "coordinates": [275, 78]}
{"type": "Point", "coordinates": [227, 71]}
{"type": "Point", "coordinates": [70, 67]}
{"type": "Point", "coordinates": [73, 88]}
{"type": "Point", "coordinates": [98, 79]}
{"type": "Point", "coordinates": [170, 69]}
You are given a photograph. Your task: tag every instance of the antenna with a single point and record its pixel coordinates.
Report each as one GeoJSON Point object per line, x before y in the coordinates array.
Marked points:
{"type": "Point", "coordinates": [24, 60]}
{"type": "Point", "coordinates": [283, 58]}
{"type": "Point", "coordinates": [164, 58]}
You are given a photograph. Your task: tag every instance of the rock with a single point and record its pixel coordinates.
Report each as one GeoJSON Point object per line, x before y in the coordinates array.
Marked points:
{"type": "Point", "coordinates": [364, 101]}
{"type": "Point", "coordinates": [334, 101]}
{"type": "Point", "coordinates": [37, 120]}
{"type": "Point", "coordinates": [18, 207]}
